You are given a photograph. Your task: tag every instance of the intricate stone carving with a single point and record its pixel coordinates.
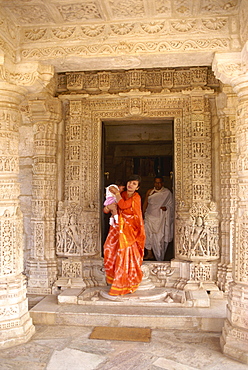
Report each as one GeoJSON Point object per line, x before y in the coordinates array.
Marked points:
{"type": "Point", "coordinates": [199, 235]}
{"type": "Point", "coordinates": [11, 247]}
{"type": "Point", "coordinates": [226, 104]}
{"type": "Point", "coordinates": [17, 75]}
{"type": "Point", "coordinates": [152, 27]}
{"type": "Point", "coordinates": [236, 324]}
{"type": "Point", "coordinates": [221, 6]}
{"type": "Point", "coordinates": [71, 269]}
{"type": "Point", "coordinates": [234, 339]}
{"type": "Point", "coordinates": [183, 7]}
{"type": "Point", "coordinates": [122, 29]}
{"type": "Point", "coordinates": [177, 26]}
{"type": "Point", "coordinates": [214, 23]}
{"type": "Point", "coordinates": [63, 33]}
{"type": "Point", "coordinates": [131, 8]}
{"type": "Point", "coordinates": [77, 232]}
{"type": "Point", "coordinates": [163, 7]}
{"type": "Point", "coordinates": [45, 112]}
{"type": "Point", "coordinates": [217, 44]}
{"type": "Point", "coordinates": [191, 111]}
{"type": "Point", "coordinates": [162, 272]}
{"type": "Point", "coordinates": [241, 259]}
{"type": "Point", "coordinates": [243, 16]}
{"type": "Point", "coordinates": [200, 272]}
{"type": "Point", "coordinates": [118, 29]}
{"type": "Point", "coordinates": [183, 25]}
{"type": "Point", "coordinates": [139, 79]}
{"type": "Point", "coordinates": [14, 317]}
{"type": "Point", "coordinates": [31, 14]}
{"type": "Point", "coordinates": [74, 12]}
{"type": "Point", "coordinates": [93, 30]}
{"type": "Point", "coordinates": [35, 34]}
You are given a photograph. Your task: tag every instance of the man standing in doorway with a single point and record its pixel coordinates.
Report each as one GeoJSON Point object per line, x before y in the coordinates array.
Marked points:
{"type": "Point", "coordinates": [158, 213]}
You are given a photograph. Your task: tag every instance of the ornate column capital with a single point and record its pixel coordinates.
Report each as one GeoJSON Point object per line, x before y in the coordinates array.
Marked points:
{"type": "Point", "coordinates": [44, 108]}
{"type": "Point", "coordinates": [232, 69]}
{"type": "Point", "coordinates": [34, 77]}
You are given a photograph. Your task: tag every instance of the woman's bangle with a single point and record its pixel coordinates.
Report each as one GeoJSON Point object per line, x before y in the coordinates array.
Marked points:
{"type": "Point", "coordinates": [117, 193]}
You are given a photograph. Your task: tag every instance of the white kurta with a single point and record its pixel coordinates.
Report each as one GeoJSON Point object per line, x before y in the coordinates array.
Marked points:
{"type": "Point", "coordinates": [159, 223]}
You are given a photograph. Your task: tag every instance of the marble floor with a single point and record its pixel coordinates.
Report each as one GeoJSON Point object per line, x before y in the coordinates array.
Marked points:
{"type": "Point", "coordinates": [69, 348]}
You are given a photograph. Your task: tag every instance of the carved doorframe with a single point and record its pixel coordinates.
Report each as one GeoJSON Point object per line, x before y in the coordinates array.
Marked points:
{"type": "Point", "coordinates": [78, 217]}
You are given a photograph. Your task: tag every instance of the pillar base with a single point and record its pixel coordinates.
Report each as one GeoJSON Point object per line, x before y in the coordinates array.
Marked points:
{"type": "Point", "coordinates": [15, 323]}
{"type": "Point", "coordinates": [234, 342]}
{"type": "Point", "coordinates": [41, 276]}
{"type": "Point", "coordinates": [19, 334]}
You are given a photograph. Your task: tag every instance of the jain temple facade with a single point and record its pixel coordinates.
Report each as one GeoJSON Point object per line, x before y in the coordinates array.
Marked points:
{"type": "Point", "coordinates": [94, 89]}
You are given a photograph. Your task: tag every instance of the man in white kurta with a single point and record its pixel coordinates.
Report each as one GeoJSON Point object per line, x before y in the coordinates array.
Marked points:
{"type": "Point", "coordinates": [159, 214]}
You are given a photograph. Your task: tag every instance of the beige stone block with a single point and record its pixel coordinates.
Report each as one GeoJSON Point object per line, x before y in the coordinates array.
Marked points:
{"type": "Point", "coordinates": [69, 296]}
{"type": "Point", "coordinates": [200, 298]}
{"type": "Point", "coordinates": [212, 324]}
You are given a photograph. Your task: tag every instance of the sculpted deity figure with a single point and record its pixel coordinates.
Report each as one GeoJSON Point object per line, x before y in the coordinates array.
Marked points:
{"type": "Point", "coordinates": [199, 236]}
{"type": "Point", "coordinates": [72, 245]}
{"type": "Point", "coordinates": [67, 235]}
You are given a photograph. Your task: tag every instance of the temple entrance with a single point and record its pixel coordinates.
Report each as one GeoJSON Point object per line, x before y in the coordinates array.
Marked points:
{"type": "Point", "coordinates": [141, 147]}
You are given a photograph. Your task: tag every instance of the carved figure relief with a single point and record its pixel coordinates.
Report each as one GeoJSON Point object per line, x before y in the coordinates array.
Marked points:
{"type": "Point", "coordinates": [77, 232]}
{"type": "Point", "coordinates": [199, 235]}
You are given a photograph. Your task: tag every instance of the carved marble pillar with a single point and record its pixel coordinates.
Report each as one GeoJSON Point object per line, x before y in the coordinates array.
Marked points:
{"type": "Point", "coordinates": [196, 240]}
{"type": "Point", "coordinates": [16, 81]}
{"type": "Point", "coordinates": [227, 104]}
{"type": "Point", "coordinates": [45, 113]}
{"type": "Point", "coordinates": [232, 69]}
{"type": "Point", "coordinates": [15, 323]}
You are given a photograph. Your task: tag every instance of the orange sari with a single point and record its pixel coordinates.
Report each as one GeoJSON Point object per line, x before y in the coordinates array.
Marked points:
{"type": "Point", "coordinates": [124, 247]}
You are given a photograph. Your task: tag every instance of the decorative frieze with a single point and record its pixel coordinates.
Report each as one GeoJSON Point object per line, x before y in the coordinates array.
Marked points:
{"type": "Point", "coordinates": [145, 80]}
{"type": "Point", "coordinates": [171, 27]}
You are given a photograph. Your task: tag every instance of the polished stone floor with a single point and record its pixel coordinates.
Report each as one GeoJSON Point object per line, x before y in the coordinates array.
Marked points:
{"type": "Point", "coordinates": [69, 348]}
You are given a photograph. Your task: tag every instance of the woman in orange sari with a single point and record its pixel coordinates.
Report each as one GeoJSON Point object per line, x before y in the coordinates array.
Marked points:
{"type": "Point", "coordinates": [124, 245]}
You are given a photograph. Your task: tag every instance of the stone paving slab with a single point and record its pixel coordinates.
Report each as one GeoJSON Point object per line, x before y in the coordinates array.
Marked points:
{"type": "Point", "coordinates": [69, 348]}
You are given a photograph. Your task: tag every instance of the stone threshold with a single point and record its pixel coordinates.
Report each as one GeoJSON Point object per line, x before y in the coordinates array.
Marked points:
{"type": "Point", "coordinates": [167, 297]}
{"type": "Point", "coordinates": [49, 312]}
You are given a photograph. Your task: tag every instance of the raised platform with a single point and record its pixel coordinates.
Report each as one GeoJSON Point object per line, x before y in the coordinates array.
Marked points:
{"type": "Point", "coordinates": [49, 312]}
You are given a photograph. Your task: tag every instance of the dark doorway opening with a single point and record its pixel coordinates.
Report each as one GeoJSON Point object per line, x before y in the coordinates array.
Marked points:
{"type": "Point", "coordinates": [144, 148]}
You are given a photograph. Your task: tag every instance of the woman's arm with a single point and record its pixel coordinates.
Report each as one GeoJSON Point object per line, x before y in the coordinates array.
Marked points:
{"type": "Point", "coordinates": [106, 209]}
{"type": "Point", "coordinates": [109, 208]}
{"type": "Point", "coordinates": [116, 192]}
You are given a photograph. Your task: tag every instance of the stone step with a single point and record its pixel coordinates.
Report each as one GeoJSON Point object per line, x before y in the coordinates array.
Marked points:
{"type": "Point", "coordinates": [49, 312]}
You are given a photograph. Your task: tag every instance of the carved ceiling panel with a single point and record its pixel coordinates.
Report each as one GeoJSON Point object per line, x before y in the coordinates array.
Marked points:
{"type": "Point", "coordinates": [47, 12]}
{"type": "Point", "coordinates": [108, 34]}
